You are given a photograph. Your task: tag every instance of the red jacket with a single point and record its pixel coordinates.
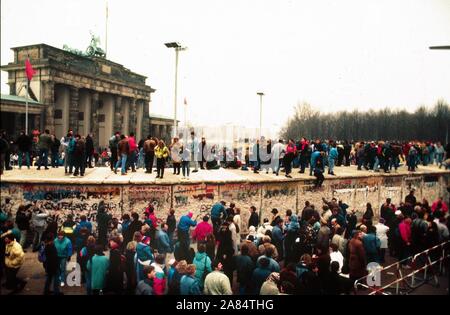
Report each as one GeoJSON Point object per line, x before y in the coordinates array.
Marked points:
{"type": "Point", "coordinates": [405, 231]}
{"type": "Point", "coordinates": [202, 230]}
{"type": "Point", "coordinates": [132, 144]}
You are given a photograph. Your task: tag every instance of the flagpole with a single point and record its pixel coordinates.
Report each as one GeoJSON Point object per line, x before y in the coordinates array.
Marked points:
{"type": "Point", "coordinates": [106, 31]}
{"type": "Point", "coordinates": [26, 108]}
{"type": "Point", "coordinates": [185, 110]}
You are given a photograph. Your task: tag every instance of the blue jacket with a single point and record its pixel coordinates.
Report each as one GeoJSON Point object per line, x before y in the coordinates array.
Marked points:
{"type": "Point", "coordinates": [144, 252]}
{"type": "Point", "coordinates": [371, 243]}
{"type": "Point", "coordinates": [217, 210]}
{"type": "Point", "coordinates": [314, 156]}
{"type": "Point", "coordinates": [258, 277]}
{"type": "Point", "coordinates": [79, 238]}
{"type": "Point", "coordinates": [189, 286]}
{"type": "Point", "coordinates": [202, 264]}
{"type": "Point", "coordinates": [273, 265]}
{"type": "Point", "coordinates": [333, 154]}
{"type": "Point", "coordinates": [185, 223]}
{"type": "Point", "coordinates": [71, 146]}
{"type": "Point", "coordinates": [63, 247]}
{"type": "Point", "coordinates": [277, 234]}
{"type": "Point", "coordinates": [163, 242]}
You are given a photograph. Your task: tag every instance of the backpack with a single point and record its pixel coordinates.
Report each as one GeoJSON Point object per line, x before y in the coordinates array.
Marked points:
{"type": "Point", "coordinates": [41, 253]}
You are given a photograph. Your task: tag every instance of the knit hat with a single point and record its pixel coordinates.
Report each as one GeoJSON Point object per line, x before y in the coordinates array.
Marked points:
{"type": "Point", "coordinates": [190, 214]}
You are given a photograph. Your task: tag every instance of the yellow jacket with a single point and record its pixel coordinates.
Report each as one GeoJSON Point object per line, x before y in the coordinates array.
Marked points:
{"type": "Point", "coordinates": [14, 255]}
{"type": "Point", "coordinates": [161, 152]}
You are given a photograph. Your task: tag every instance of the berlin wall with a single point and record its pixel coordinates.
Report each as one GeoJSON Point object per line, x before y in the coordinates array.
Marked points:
{"type": "Point", "coordinates": [62, 200]}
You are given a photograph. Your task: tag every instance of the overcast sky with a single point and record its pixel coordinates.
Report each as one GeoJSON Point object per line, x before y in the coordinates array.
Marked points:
{"type": "Point", "coordinates": [333, 54]}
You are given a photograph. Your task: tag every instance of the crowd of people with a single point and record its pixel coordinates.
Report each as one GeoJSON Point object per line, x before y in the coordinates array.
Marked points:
{"type": "Point", "coordinates": [76, 153]}
{"type": "Point", "coordinates": [319, 251]}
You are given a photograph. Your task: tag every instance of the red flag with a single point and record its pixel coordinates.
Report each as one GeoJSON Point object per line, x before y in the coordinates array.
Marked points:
{"type": "Point", "coordinates": [29, 69]}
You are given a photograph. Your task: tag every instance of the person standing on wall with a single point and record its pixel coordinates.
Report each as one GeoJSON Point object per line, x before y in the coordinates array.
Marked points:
{"type": "Point", "coordinates": [149, 151]}
{"type": "Point", "coordinates": [113, 146]}
{"type": "Point", "coordinates": [131, 160]}
{"type": "Point", "coordinates": [89, 150]}
{"type": "Point", "coordinates": [44, 145]}
{"type": "Point", "coordinates": [161, 153]}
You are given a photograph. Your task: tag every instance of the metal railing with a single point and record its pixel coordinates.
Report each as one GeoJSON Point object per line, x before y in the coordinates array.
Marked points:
{"type": "Point", "coordinates": [421, 265]}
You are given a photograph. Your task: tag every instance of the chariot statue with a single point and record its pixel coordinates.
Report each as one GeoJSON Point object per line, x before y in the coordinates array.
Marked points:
{"type": "Point", "coordinates": [94, 49]}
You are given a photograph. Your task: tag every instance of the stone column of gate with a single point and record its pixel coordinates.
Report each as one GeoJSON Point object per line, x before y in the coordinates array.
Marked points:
{"type": "Point", "coordinates": [117, 113]}
{"type": "Point", "coordinates": [94, 118]}
{"type": "Point", "coordinates": [132, 118]}
{"type": "Point", "coordinates": [49, 102]}
{"type": "Point", "coordinates": [145, 120]}
{"type": "Point", "coordinates": [73, 110]}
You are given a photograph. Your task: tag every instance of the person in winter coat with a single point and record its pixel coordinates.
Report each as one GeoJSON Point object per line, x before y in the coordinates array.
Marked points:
{"type": "Point", "coordinates": [98, 267]}
{"type": "Point", "coordinates": [202, 230]}
{"type": "Point", "coordinates": [133, 150]}
{"type": "Point", "coordinates": [382, 231]}
{"type": "Point", "coordinates": [160, 279]}
{"type": "Point", "coordinates": [51, 266]}
{"type": "Point", "coordinates": [145, 286]}
{"type": "Point", "coordinates": [332, 157]}
{"type": "Point", "coordinates": [89, 150]}
{"type": "Point", "coordinates": [103, 220]}
{"type": "Point", "coordinates": [291, 152]}
{"type": "Point", "coordinates": [175, 148]}
{"type": "Point", "coordinates": [260, 275]}
{"type": "Point", "coordinates": [189, 285]}
{"type": "Point", "coordinates": [270, 286]}
{"type": "Point", "coordinates": [323, 237]}
{"type": "Point", "coordinates": [23, 223]}
{"type": "Point", "coordinates": [254, 218]}
{"type": "Point", "coordinates": [225, 250]}
{"type": "Point", "coordinates": [64, 250]}
{"type": "Point", "coordinates": [161, 153]}
{"type": "Point", "coordinates": [202, 264]}
{"type": "Point", "coordinates": [82, 232]}
{"type": "Point", "coordinates": [79, 157]}
{"type": "Point", "coordinates": [44, 146]}
{"type": "Point", "coordinates": [114, 280]}
{"type": "Point", "coordinates": [55, 151]}
{"type": "Point", "coordinates": [278, 238]}
{"type": "Point", "coordinates": [144, 255]}
{"type": "Point", "coordinates": [216, 282]}
{"type": "Point", "coordinates": [183, 228]}
{"type": "Point", "coordinates": [149, 150]}
{"type": "Point", "coordinates": [357, 257]}
{"type": "Point", "coordinates": [371, 245]}
{"type": "Point", "coordinates": [292, 233]}
{"type": "Point", "coordinates": [244, 268]}
{"type": "Point", "coordinates": [14, 259]}
{"type": "Point", "coordinates": [24, 144]}
{"type": "Point", "coordinates": [163, 241]}
{"type": "Point", "coordinates": [85, 255]}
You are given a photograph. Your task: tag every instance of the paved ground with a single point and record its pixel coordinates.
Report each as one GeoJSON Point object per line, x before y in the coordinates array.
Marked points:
{"type": "Point", "coordinates": [103, 175]}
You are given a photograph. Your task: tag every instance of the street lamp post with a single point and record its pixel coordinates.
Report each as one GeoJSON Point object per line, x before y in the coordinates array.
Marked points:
{"type": "Point", "coordinates": [178, 48]}
{"type": "Point", "coordinates": [261, 94]}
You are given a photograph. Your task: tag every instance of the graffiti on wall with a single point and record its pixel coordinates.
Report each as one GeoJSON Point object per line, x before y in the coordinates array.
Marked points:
{"type": "Point", "coordinates": [137, 197]}
{"type": "Point", "coordinates": [281, 196]}
{"type": "Point", "coordinates": [62, 200]}
{"type": "Point", "coordinates": [244, 196]}
{"type": "Point", "coordinates": [197, 198]}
